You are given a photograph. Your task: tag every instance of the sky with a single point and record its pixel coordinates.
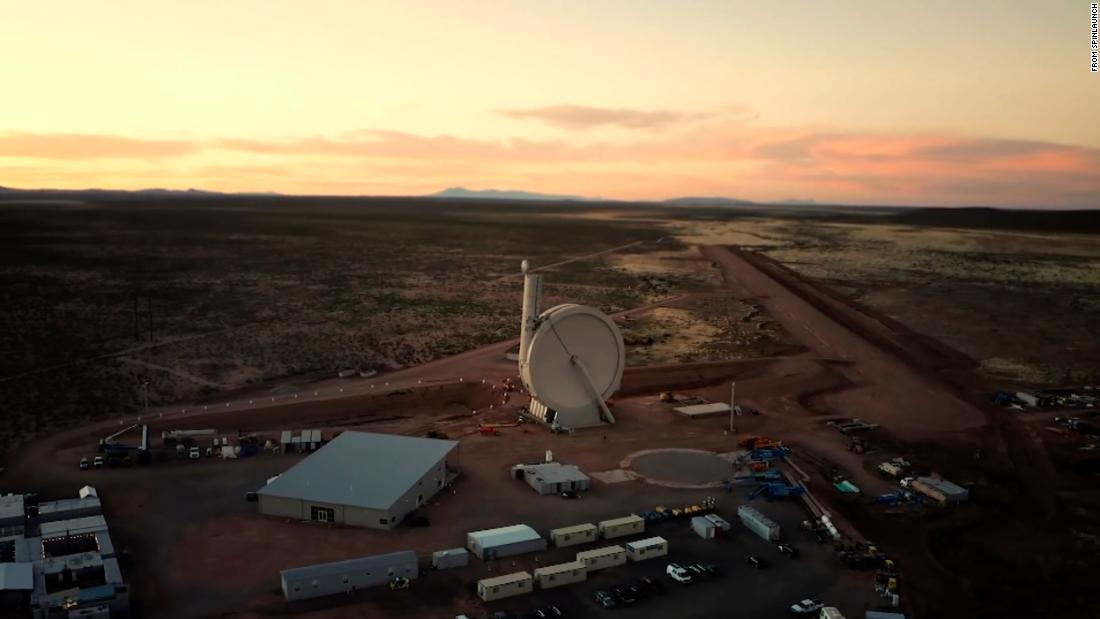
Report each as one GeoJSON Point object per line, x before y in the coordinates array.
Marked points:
{"type": "Point", "coordinates": [935, 103]}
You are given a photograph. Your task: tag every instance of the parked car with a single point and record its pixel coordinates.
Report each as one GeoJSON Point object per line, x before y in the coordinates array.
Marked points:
{"type": "Point", "coordinates": [251, 497]}
{"type": "Point", "coordinates": [84, 464]}
{"type": "Point", "coordinates": [569, 494]}
{"type": "Point", "coordinates": [97, 462]}
{"type": "Point", "coordinates": [756, 562]}
{"type": "Point", "coordinates": [195, 453]}
{"type": "Point", "coordinates": [807, 606]}
{"type": "Point", "coordinates": [623, 595]}
{"type": "Point", "coordinates": [606, 600]}
{"type": "Point", "coordinates": [711, 570]}
{"type": "Point", "coordinates": [651, 585]}
{"type": "Point", "coordinates": [788, 550]}
{"type": "Point", "coordinates": [677, 572]}
{"type": "Point", "coordinates": [399, 582]}
{"type": "Point", "coordinates": [696, 571]}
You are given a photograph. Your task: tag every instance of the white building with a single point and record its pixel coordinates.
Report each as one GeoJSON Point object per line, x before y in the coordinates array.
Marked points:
{"type": "Point", "coordinates": [323, 579]}
{"type": "Point", "coordinates": [362, 479]}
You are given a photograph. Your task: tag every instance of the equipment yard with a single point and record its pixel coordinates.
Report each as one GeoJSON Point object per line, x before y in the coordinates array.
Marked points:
{"type": "Point", "coordinates": [902, 418]}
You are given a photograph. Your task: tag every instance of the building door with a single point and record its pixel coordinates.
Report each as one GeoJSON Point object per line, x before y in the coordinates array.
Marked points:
{"type": "Point", "coordinates": [322, 514]}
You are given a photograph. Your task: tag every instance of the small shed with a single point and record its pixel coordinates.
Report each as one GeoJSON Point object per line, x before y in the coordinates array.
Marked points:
{"type": "Point", "coordinates": [504, 542]}
{"type": "Point", "coordinates": [574, 535]}
{"type": "Point", "coordinates": [649, 548]}
{"type": "Point", "coordinates": [561, 574]}
{"type": "Point", "coordinates": [703, 528]}
{"type": "Point", "coordinates": [602, 558]}
{"type": "Point", "coordinates": [621, 527]}
{"type": "Point", "coordinates": [452, 557]}
{"type": "Point", "coordinates": [553, 477]}
{"type": "Point", "coordinates": [499, 587]}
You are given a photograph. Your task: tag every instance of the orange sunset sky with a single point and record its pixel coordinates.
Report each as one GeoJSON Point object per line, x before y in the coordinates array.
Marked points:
{"type": "Point", "coordinates": [941, 103]}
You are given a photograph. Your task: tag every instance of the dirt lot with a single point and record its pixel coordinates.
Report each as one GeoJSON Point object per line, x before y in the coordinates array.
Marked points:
{"type": "Point", "coordinates": [804, 345]}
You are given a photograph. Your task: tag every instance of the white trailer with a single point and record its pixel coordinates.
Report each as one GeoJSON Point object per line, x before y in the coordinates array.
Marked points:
{"type": "Point", "coordinates": [758, 523]}
{"type": "Point", "coordinates": [601, 558]}
{"type": "Point", "coordinates": [649, 548]}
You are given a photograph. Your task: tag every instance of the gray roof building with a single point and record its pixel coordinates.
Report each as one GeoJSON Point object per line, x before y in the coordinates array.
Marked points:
{"type": "Point", "coordinates": [504, 541]}
{"type": "Point", "coordinates": [347, 576]}
{"type": "Point", "coordinates": [361, 478]}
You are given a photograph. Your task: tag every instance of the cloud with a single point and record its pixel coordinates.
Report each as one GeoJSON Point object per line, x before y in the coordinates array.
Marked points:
{"type": "Point", "coordinates": [85, 146]}
{"type": "Point", "coordinates": [580, 117]}
{"type": "Point", "coordinates": [716, 157]}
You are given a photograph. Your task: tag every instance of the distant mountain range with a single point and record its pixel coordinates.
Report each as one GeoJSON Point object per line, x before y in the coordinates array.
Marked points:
{"type": "Point", "coordinates": [504, 194]}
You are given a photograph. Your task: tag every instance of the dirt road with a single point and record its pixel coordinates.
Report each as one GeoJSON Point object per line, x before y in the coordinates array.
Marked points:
{"type": "Point", "coordinates": [886, 389]}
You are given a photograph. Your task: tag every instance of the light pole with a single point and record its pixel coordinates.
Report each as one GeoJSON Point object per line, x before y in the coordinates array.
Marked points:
{"type": "Point", "coordinates": [733, 392]}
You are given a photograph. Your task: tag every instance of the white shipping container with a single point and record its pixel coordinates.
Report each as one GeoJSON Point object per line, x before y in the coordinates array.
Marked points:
{"type": "Point", "coordinates": [758, 523]}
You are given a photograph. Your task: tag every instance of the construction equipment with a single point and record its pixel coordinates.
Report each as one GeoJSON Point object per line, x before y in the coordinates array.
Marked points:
{"type": "Point", "coordinates": [488, 431]}
{"type": "Point", "coordinates": [768, 454]}
{"type": "Point", "coordinates": [778, 490]}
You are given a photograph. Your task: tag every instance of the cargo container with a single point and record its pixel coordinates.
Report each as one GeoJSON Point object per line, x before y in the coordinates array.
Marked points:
{"type": "Point", "coordinates": [601, 558]}
{"type": "Point", "coordinates": [649, 548]}
{"type": "Point", "coordinates": [571, 536]}
{"type": "Point", "coordinates": [621, 527]}
{"type": "Point", "coordinates": [951, 493]}
{"type": "Point", "coordinates": [720, 523]}
{"type": "Point", "coordinates": [499, 587]}
{"type": "Point", "coordinates": [561, 574]}
{"type": "Point", "coordinates": [703, 527]}
{"type": "Point", "coordinates": [452, 557]}
{"type": "Point", "coordinates": [758, 523]}
{"type": "Point", "coordinates": [892, 470]}
{"type": "Point", "coordinates": [928, 491]}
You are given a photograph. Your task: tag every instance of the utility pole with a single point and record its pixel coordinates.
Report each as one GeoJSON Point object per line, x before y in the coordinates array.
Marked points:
{"type": "Point", "coordinates": [733, 392]}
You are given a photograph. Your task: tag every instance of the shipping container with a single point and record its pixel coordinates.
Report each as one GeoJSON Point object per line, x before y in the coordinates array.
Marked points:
{"type": "Point", "coordinates": [703, 528]}
{"type": "Point", "coordinates": [758, 523]}
{"type": "Point", "coordinates": [452, 557]}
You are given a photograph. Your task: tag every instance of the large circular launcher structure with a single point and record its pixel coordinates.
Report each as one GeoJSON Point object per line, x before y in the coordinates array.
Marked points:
{"type": "Point", "coordinates": [571, 360]}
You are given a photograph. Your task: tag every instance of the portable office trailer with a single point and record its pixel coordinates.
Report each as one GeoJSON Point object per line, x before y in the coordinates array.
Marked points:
{"type": "Point", "coordinates": [302, 583]}
{"type": "Point", "coordinates": [758, 523]}
{"type": "Point", "coordinates": [621, 527]}
{"type": "Point", "coordinates": [504, 542]}
{"type": "Point", "coordinates": [929, 491]}
{"type": "Point", "coordinates": [703, 528]}
{"type": "Point", "coordinates": [571, 536]}
{"type": "Point", "coordinates": [602, 558]}
{"type": "Point", "coordinates": [553, 477]}
{"type": "Point", "coordinates": [452, 557]}
{"type": "Point", "coordinates": [649, 548]}
{"type": "Point", "coordinates": [499, 587]}
{"type": "Point", "coordinates": [561, 574]}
